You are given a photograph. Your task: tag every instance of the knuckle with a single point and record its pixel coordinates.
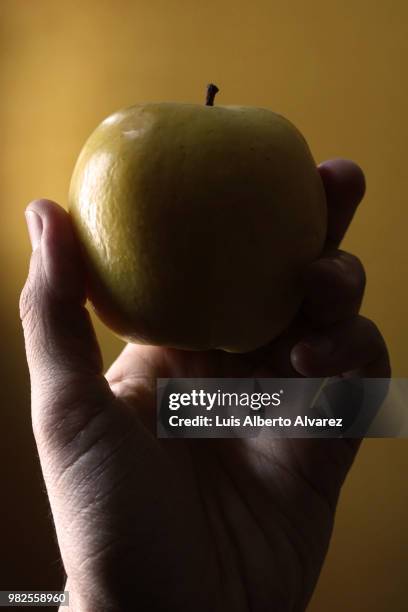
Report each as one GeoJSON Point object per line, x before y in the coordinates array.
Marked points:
{"type": "Point", "coordinates": [32, 292]}
{"type": "Point", "coordinates": [369, 326]}
{"type": "Point", "coordinates": [30, 307]}
{"type": "Point", "coordinates": [373, 336]}
{"type": "Point", "coordinates": [359, 276]}
{"type": "Point", "coordinates": [376, 348]}
{"type": "Point", "coordinates": [27, 301]}
{"type": "Point", "coordinates": [354, 271]}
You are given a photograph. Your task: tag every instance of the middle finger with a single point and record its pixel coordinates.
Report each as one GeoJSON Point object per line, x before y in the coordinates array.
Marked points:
{"type": "Point", "coordinates": [334, 288]}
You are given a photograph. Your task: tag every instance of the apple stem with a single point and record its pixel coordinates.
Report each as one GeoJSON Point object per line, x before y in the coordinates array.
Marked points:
{"type": "Point", "coordinates": [211, 91]}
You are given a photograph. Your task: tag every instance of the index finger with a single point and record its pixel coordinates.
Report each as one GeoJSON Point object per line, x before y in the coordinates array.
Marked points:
{"type": "Point", "coordinates": [344, 185]}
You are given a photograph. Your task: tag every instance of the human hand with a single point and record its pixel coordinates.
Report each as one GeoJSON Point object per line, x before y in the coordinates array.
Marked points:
{"type": "Point", "coordinates": [181, 525]}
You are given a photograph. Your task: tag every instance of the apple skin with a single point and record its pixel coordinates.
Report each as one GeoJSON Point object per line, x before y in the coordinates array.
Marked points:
{"type": "Point", "coordinates": [196, 223]}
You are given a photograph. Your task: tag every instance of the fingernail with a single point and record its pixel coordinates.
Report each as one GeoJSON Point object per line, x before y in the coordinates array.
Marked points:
{"type": "Point", "coordinates": [35, 227]}
{"type": "Point", "coordinates": [320, 345]}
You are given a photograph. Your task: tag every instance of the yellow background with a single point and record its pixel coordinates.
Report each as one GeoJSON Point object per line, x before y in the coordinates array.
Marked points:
{"type": "Point", "coordinates": [338, 71]}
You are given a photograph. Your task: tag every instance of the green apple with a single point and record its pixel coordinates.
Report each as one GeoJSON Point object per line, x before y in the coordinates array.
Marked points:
{"type": "Point", "coordinates": [197, 223]}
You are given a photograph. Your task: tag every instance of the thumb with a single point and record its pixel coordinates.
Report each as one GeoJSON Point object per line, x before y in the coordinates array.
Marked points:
{"type": "Point", "coordinates": [63, 355]}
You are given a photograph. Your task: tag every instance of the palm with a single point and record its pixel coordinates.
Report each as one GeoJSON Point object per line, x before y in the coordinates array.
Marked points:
{"type": "Point", "coordinates": [244, 522]}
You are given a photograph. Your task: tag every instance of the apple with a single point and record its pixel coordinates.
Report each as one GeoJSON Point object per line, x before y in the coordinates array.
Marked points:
{"type": "Point", "coordinates": [197, 222]}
